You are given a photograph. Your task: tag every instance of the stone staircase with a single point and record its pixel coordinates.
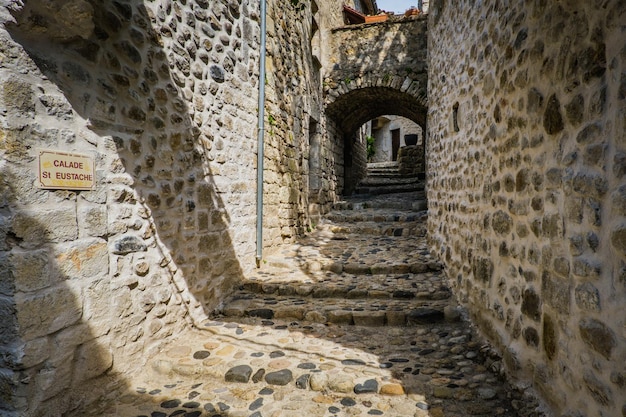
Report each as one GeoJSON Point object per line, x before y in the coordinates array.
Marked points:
{"type": "Point", "coordinates": [354, 319]}
{"type": "Point", "coordinates": [367, 264]}
{"type": "Point", "coordinates": [385, 178]}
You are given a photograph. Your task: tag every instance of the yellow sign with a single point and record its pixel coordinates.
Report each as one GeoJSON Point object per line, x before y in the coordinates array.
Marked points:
{"type": "Point", "coordinates": [66, 171]}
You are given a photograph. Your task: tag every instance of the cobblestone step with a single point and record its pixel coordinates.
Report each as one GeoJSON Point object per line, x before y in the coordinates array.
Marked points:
{"type": "Point", "coordinates": [411, 201]}
{"type": "Point", "coordinates": [376, 180]}
{"type": "Point", "coordinates": [424, 286]}
{"type": "Point", "coordinates": [334, 309]}
{"type": "Point", "coordinates": [375, 215]}
{"type": "Point", "coordinates": [383, 165]}
{"type": "Point", "coordinates": [254, 367]}
{"type": "Point", "coordinates": [336, 324]}
{"type": "Point", "coordinates": [388, 188]}
{"type": "Point", "coordinates": [373, 222]}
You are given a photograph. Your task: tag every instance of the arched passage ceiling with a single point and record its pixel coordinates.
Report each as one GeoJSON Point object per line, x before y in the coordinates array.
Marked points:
{"type": "Point", "coordinates": [356, 107]}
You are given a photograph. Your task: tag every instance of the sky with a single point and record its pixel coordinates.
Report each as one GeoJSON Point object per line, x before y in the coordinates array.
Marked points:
{"type": "Point", "coordinates": [397, 6]}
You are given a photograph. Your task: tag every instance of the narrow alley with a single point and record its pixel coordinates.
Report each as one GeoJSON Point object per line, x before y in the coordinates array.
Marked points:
{"type": "Point", "coordinates": [355, 319]}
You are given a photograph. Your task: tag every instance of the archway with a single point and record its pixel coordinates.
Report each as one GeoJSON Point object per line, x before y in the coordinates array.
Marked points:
{"type": "Point", "coordinates": [351, 110]}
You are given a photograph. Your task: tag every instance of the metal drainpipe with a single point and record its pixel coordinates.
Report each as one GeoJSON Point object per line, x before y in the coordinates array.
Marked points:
{"type": "Point", "coordinates": [260, 141]}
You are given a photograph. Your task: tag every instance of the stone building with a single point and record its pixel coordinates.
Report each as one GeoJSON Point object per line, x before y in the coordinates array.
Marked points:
{"type": "Point", "coordinates": [526, 167]}
{"type": "Point", "coordinates": [392, 132]}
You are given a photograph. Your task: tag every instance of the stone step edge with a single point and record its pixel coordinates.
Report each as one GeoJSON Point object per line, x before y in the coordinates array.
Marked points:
{"type": "Point", "coordinates": [313, 314]}
{"type": "Point", "coordinates": [405, 206]}
{"type": "Point", "coordinates": [357, 220]}
{"type": "Point", "coordinates": [375, 269]}
{"type": "Point", "coordinates": [313, 291]}
{"type": "Point", "coordinates": [338, 267]}
{"type": "Point", "coordinates": [319, 381]}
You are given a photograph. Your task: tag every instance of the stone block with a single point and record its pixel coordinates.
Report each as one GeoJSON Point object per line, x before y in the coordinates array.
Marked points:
{"type": "Point", "coordinates": [86, 258]}
{"type": "Point", "coordinates": [292, 312]}
{"type": "Point", "coordinates": [35, 352]}
{"type": "Point", "coordinates": [369, 318]}
{"type": "Point", "coordinates": [586, 268]}
{"type": "Point", "coordinates": [396, 318]}
{"type": "Point", "coordinates": [48, 311]}
{"type": "Point", "coordinates": [97, 308]}
{"type": "Point", "coordinates": [93, 359]}
{"type": "Point", "coordinates": [92, 220]}
{"type": "Point", "coordinates": [32, 270]}
{"type": "Point", "coordinates": [41, 227]}
{"type": "Point", "coordinates": [8, 325]}
{"type": "Point", "coordinates": [340, 317]}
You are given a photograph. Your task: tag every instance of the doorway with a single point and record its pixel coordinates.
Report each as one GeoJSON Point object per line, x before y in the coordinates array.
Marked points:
{"type": "Point", "coordinates": [395, 144]}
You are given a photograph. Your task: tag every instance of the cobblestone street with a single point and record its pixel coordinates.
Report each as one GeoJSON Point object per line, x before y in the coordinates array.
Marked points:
{"type": "Point", "coordinates": [355, 319]}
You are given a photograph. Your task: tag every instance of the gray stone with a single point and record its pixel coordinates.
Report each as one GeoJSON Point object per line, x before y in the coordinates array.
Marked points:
{"type": "Point", "coordinates": [369, 386]}
{"type": "Point", "coordinates": [264, 313]}
{"type": "Point", "coordinates": [501, 222]}
{"type": "Point", "coordinates": [217, 73]}
{"type": "Point", "coordinates": [302, 382]}
{"type": "Point", "coordinates": [618, 239]}
{"type": "Point", "coordinates": [598, 336]}
{"type": "Point", "coordinates": [587, 297]}
{"type": "Point", "coordinates": [258, 375]}
{"type": "Point", "coordinates": [531, 336]}
{"type": "Point", "coordinates": [575, 110]}
{"type": "Point", "coordinates": [483, 269]}
{"type": "Point", "coordinates": [531, 304]}
{"type": "Point", "coordinates": [240, 373]}
{"type": "Point", "coordinates": [550, 337]}
{"type": "Point", "coordinates": [369, 318]}
{"type": "Point", "coordinates": [555, 292]}
{"type": "Point", "coordinates": [618, 201]}
{"type": "Point", "coordinates": [424, 315]}
{"type": "Point", "coordinates": [599, 392]}
{"type": "Point", "coordinates": [128, 244]}
{"type": "Point", "coordinates": [535, 100]}
{"type": "Point", "coordinates": [552, 119]}
{"type": "Point", "coordinates": [282, 377]}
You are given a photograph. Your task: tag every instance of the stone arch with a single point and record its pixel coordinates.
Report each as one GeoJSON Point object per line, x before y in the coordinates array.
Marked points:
{"type": "Point", "coordinates": [352, 105]}
{"type": "Point", "coordinates": [355, 106]}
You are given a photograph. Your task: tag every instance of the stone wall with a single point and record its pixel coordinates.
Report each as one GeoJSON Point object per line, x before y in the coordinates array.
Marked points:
{"type": "Point", "coordinates": [382, 134]}
{"type": "Point", "coordinates": [163, 96]}
{"type": "Point", "coordinates": [373, 70]}
{"type": "Point", "coordinates": [526, 187]}
{"type": "Point", "coordinates": [411, 160]}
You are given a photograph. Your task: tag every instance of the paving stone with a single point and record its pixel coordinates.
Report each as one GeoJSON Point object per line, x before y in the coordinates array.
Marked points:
{"type": "Point", "coordinates": [282, 377]}
{"type": "Point", "coordinates": [319, 358]}
{"type": "Point", "coordinates": [369, 386]}
{"type": "Point", "coordinates": [240, 373]}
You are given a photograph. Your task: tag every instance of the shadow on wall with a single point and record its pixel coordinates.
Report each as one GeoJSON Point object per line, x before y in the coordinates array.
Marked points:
{"type": "Point", "coordinates": [130, 88]}
{"type": "Point", "coordinates": [164, 207]}
{"type": "Point", "coordinates": [54, 343]}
